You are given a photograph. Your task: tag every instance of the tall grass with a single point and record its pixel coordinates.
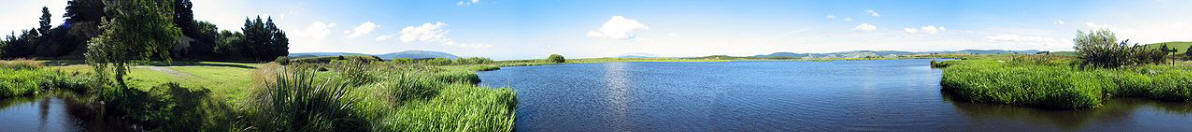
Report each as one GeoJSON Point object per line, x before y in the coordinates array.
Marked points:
{"type": "Point", "coordinates": [20, 64]}
{"type": "Point", "coordinates": [295, 101]}
{"type": "Point", "coordinates": [1060, 85]}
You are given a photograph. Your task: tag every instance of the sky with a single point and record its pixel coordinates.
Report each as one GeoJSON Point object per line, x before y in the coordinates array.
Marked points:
{"type": "Point", "coordinates": [528, 29]}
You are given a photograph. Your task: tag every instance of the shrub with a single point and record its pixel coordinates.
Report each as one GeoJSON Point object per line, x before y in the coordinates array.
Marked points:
{"type": "Point", "coordinates": [295, 102]}
{"type": "Point", "coordinates": [556, 58]}
{"type": "Point", "coordinates": [1101, 48]}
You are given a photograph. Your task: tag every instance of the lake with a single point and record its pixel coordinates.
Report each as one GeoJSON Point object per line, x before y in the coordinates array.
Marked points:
{"type": "Point", "coordinates": [879, 95]}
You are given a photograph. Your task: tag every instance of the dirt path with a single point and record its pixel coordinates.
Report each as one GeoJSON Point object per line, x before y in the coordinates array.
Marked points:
{"type": "Point", "coordinates": [168, 70]}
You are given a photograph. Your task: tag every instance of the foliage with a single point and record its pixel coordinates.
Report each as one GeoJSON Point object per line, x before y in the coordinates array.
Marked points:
{"type": "Point", "coordinates": [556, 58]}
{"type": "Point", "coordinates": [283, 60]}
{"type": "Point", "coordinates": [294, 101]}
{"type": "Point", "coordinates": [1101, 48]}
{"type": "Point", "coordinates": [138, 30]}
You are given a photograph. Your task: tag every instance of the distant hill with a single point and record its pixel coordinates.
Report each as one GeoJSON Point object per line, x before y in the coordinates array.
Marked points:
{"type": "Point", "coordinates": [412, 54]}
{"type": "Point", "coordinates": [1180, 47]}
{"type": "Point", "coordinates": [884, 53]}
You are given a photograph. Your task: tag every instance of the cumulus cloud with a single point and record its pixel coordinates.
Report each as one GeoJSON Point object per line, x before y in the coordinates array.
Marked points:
{"type": "Point", "coordinates": [384, 37]}
{"type": "Point", "coordinates": [427, 32]}
{"type": "Point", "coordinates": [618, 28]}
{"type": "Point", "coordinates": [433, 33]}
{"type": "Point", "coordinates": [865, 27]}
{"type": "Point", "coordinates": [929, 29]}
{"type": "Point", "coordinates": [317, 30]}
{"type": "Point", "coordinates": [363, 29]}
{"type": "Point", "coordinates": [1058, 22]}
{"type": "Point", "coordinates": [873, 13]}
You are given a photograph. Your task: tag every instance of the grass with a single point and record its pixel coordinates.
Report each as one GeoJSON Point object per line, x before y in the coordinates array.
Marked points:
{"type": "Point", "coordinates": [1057, 84]}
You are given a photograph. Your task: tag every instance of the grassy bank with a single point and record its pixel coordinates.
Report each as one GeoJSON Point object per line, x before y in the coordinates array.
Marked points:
{"type": "Point", "coordinates": [1057, 83]}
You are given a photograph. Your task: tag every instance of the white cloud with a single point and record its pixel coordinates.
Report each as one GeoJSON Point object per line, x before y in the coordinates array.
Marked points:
{"type": "Point", "coordinates": [1096, 26]}
{"type": "Point", "coordinates": [317, 30]}
{"type": "Point", "coordinates": [384, 37]}
{"type": "Point", "coordinates": [873, 13]}
{"type": "Point", "coordinates": [466, 2]}
{"type": "Point", "coordinates": [433, 33]}
{"type": "Point", "coordinates": [672, 34]}
{"type": "Point", "coordinates": [618, 28]}
{"type": "Point", "coordinates": [847, 19]}
{"type": "Point", "coordinates": [428, 32]}
{"type": "Point", "coordinates": [830, 16]}
{"type": "Point", "coordinates": [865, 27]}
{"type": "Point", "coordinates": [1058, 22]}
{"type": "Point", "coordinates": [929, 29]}
{"type": "Point", "coordinates": [363, 29]}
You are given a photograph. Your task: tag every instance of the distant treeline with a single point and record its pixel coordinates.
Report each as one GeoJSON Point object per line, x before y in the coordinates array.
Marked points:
{"type": "Point", "coordinates": [259, 40]}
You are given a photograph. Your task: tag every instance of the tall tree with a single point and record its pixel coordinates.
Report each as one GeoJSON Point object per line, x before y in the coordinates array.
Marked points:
{"type": "Point", "coordinates": [136, 31]}
{"type": "Point", "coordinates": [184, 17]}
{"type": "Point", "coordinates": [84, 10]}
{"type": "Point", "coordinates": [44, 27]}
{"type": "Point", "coordinates": [279, 45]}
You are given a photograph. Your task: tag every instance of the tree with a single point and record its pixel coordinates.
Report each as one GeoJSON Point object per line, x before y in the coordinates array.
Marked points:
{"type": "Point", "coordinates": [137, 30]}
{"type": "Point", "coordinates": [279, 44]}
{"type": "Point", "coordinates": [1100, 48]}
{"type": "Point", "coordinates": [1188, 53]}
{"type": "Point", "coordinates": [184, 17]}
{"type": "Point", "coordinates": [556, 58]}
{"type": "Point", "coordinates": [1167, 51]}
{"type": "Point", "coordinates": [44, 27]}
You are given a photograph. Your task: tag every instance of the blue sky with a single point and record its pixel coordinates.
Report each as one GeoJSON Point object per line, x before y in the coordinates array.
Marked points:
{"type": "Point", "coordinates": [522, 29]}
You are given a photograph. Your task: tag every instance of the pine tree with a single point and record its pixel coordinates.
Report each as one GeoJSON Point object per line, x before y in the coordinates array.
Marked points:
{"type": "Point", "coordinates": [44, 27]}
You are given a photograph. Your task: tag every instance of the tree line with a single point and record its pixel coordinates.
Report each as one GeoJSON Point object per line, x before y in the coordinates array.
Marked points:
{"type": "Point", "coordinates": [84, 20]}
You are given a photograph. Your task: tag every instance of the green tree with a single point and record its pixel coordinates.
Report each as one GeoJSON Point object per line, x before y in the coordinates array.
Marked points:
{"type": "Point", "coordinates": [1100, 48]}
{"type": "Point", "coordinates": [1188, 53]}
{"type": "Point", "coordinates": [44, 27]}
{"type": "Point", "coordinates": [556, 58]}
{"type": "Point", "coordinates": [1166, 51]}
{"type": "Point", "coordinates": [136, 31]}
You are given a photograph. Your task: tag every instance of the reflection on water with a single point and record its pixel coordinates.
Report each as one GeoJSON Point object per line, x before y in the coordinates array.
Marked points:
{"type": "Point", "coordinates": [52, 114]}
{"type": "Point", "coordinates": [1117, 111]}
{"type": "Point", "coordinates": [883, 95]}
{"type": "Point", "coordinates": [36, 114]}
{"type": "Point", "coordinates": [617, 83]}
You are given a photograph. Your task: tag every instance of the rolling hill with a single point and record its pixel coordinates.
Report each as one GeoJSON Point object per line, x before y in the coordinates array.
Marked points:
{"type": "Point", "coordinates": [1180, 47]}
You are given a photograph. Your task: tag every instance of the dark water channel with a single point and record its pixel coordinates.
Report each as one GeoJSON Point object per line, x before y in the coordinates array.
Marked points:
{"type": "Point", "coordinates": [883, 95]}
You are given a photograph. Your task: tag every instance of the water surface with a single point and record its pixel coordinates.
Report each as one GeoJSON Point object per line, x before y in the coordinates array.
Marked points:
{"type": "Point", "coordinates": [883, 95]}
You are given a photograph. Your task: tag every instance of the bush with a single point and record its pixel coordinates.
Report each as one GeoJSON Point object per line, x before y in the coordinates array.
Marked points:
{"type": "Point", "coordinates": [556, 58]}
{"type": "Point", "coordinates": [294, 101]}
{"type": "Point", "coordinates": [1101, 48]}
